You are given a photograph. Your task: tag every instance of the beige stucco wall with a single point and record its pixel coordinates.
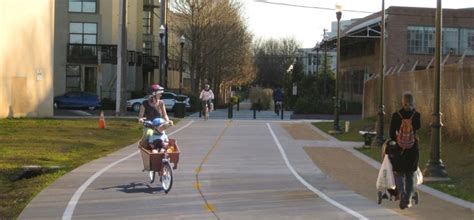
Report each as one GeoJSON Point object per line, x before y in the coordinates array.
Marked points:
{"type": "Point", "coordinates": [26, 58]}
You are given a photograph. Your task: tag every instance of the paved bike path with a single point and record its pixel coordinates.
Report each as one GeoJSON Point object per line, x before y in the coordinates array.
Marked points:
{"type": "Point", "coordinates": [228, 170]}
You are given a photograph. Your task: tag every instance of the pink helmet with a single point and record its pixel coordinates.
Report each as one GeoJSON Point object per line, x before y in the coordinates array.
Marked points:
{"type": "Point", "coordinates": [156, 89]}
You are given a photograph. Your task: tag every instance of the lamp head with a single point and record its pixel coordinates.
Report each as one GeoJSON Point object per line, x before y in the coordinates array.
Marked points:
{"type": "Point", "coordinates": [162, 30]}
{"type": "Point", "coordinates": [182, 40]}
{"type": "Point", "coordinates": [338, 11]}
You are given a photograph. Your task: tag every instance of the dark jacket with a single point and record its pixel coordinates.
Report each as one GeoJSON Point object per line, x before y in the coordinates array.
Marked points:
{"type": "Point", "coordinates": [404, 160]}
{"type": "Point", "coordinates": [278, 95]}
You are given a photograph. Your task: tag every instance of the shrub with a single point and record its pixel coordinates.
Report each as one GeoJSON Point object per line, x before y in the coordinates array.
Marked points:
{"type": "Point", "coordinates": [264, 95]}
{"type": "Point", "coordinates": [310, 105]}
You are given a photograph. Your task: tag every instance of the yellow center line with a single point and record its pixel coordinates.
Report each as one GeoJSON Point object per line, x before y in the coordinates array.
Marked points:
{"type": "Point", "coordinates": [197, 185]}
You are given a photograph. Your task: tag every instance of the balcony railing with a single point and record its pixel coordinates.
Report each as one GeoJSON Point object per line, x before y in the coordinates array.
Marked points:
{"type": "Point", "coordinates": [88, 53]}
{"type": "Point", "coordinates": [148, 5]}
{"type": "Point", "coordinates": [150, 62]}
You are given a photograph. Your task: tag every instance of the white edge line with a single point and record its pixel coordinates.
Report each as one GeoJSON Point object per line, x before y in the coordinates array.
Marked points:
{"type": "Point", "coordinates": [422, 187]}
{"type": "Point", "coordinates": [67, 215]}
{"type": "Point", "coordinates": [309, 186]}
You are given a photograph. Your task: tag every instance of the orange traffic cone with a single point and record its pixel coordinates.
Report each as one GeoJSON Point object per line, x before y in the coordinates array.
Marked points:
{"type": "Point", "coordinates": [101, 120]}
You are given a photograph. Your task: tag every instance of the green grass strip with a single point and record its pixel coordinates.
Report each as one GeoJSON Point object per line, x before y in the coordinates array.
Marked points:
{"type": "Point", "coordinates": [52, 142]}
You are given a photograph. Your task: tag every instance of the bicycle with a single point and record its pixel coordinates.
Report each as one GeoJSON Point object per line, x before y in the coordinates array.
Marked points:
{"type": "Point", "coordinates": [160, 163]}
{"type": "Point", "coordinates": [278, 106]}
{"type": "Point", "coordinates": [206, 109]}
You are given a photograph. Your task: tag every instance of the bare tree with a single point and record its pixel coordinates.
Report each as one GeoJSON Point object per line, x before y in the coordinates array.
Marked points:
{"type": "Point", "coordinates": [272, 60]}
{"type": "Point", "coordinates": [219, 42]}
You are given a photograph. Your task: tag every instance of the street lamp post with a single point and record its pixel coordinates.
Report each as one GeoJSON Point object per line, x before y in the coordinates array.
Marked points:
{"type": "Point", "coordinates": [162, 55]}
{"type": "Point", "coordinates": [435, 167]}
{"type": "Point", "coordinates": [182, 40]}
{"type": "Point", "coordinates": [325, 64]}
{"type": "Point", "coordinates": [317, 58]}
{"type": "Point", "coordinates": [379, 139]}
{"type": "Point", "coordinates": [336, 128]}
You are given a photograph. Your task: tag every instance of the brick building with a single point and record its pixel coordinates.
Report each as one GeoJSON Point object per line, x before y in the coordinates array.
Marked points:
{"type": "Point", "coordinates": [409, 45]}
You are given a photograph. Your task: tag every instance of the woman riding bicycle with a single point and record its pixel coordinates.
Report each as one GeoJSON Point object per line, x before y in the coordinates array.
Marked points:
{"type": "Point", "coordinates": [206, 97]}
{"type": "Point", "coordinates": [153, 107]}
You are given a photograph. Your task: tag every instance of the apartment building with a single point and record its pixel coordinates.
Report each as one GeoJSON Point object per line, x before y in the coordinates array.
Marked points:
{"type": "Point", "coordinates": [85, 46]}
{"type": "Point", "coordinates": [26, 58]}
{"type": "Point", "coordinates": [86, 37]}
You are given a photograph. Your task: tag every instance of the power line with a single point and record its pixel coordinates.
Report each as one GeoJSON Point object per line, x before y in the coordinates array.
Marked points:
{"type": "Point", "coordinates": [311, 7]}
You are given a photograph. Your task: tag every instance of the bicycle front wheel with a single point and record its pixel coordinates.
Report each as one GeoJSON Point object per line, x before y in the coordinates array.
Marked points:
{"type": "Point", "coordinates": [167, 177]}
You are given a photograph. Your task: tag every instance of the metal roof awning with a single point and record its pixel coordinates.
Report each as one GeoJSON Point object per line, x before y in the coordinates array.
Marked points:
{"type": "Point", "coordinates": [367, 29]}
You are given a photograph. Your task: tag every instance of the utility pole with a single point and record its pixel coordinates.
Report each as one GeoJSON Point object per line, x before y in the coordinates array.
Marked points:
{"type": "Point", "coordinates": [121, 57]}
{"type": "Point", "coordinates": [164, 42]}
{"type": "Point", "coordinates": [379, 139]}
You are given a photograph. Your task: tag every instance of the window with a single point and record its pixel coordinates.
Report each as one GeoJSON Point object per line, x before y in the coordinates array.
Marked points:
{"type": "Point", "coordinates": [467, 41]}
{"type": "Point", "coordinates": [147, 47]}
{"type": "Point", "coordinates": [167, 96]}
{"type": "Point", "coordinates": [450, 40]}
{"type": "Point", "coordinates": [147, 22]}
{"type": "Point", "coordinates": [82, 6]}
{"type": "Point", "coordinates": [421, 40]}
{"type": "Point", "coordinates": [82, 33]}
{"type": "Point", "coordinates": [73, 78]}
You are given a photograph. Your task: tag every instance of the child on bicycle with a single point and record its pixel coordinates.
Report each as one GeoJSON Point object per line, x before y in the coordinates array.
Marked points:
{"type": "Point", "coordinates": [156, 137]}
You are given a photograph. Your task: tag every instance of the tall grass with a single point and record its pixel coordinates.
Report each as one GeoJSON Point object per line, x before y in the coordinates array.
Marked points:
{"type": "Point", "coordinates": [261, 95]}
{"type": "Point", "coordinates": [457, 102]}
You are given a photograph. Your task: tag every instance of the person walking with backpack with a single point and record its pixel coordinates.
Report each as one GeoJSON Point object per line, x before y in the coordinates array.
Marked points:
{"type": "Point", "coordinates": [405, 154]}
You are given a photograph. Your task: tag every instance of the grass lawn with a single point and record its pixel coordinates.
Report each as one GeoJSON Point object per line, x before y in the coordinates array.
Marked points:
{"type": "Point", "coordinates": [457, 156]}
{"type": "Point", "coordinates": [52, 142]}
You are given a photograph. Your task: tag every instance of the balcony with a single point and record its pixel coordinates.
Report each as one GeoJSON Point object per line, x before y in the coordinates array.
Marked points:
{"type": "Point", "coordinates": [148, 5]}
{"type": "Point", "coordinates": [88, 53]}
{"type": "Point", "coordinates": [150, 62]}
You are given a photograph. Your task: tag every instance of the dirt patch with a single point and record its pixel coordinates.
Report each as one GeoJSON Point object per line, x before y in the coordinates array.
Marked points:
{"type": "Point", "coordinates": [360, 177]}
{"type": "Point", "coordinates": [302, 131]}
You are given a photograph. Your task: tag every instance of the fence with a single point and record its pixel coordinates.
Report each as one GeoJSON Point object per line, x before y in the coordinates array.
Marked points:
{"type": "Point", "coordinates": [457, 97]}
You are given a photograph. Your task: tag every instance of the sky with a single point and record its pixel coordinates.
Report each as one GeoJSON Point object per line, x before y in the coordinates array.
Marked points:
{"type": "Point", "coordinates": [266, 20]}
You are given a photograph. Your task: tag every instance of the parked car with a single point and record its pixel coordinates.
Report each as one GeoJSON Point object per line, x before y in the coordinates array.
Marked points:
{"type": "Point", "coordinates": [77, 100]}
{"type": "Point", "coordinates": [169, 98]}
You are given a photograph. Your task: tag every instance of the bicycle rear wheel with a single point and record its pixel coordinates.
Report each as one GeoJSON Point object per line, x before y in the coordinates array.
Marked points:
{"type": "Point", "coordinates": [167, 177]}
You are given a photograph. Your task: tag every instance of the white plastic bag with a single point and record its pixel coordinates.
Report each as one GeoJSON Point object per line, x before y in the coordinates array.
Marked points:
{"type": "Point", "coordinates": [211, 108]}
{"type": "Point", "coordinates": [385, 179]}
{"type": "Point", "coordinates": [418, 177]}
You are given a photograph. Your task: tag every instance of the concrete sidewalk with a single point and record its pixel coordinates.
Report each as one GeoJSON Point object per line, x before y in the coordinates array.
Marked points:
{"type": "Point", "coordinates": [343, 163]}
